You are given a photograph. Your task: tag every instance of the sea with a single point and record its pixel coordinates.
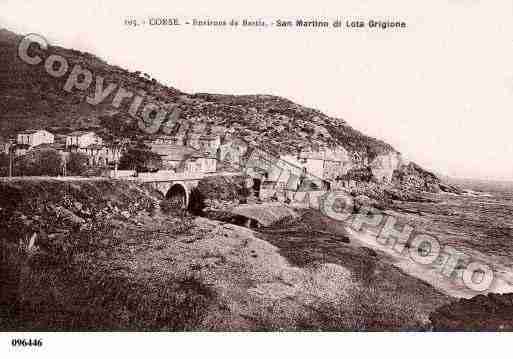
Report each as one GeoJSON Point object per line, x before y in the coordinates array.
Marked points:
{"type": "Point", "coordinates": [477, 224]}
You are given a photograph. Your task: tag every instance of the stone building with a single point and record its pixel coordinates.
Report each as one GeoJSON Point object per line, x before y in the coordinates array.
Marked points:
{"type": "Point", "coordinates": [184, 159]}
{"type": "Point", "coordinates": [209, 143]}
{"type": "Point", "coordinates": [30, 138]}
{"type": "Point", "coordinates": [77, 140]}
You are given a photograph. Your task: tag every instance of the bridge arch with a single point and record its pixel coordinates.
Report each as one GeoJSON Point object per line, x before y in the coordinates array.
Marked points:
{"type": "Point", "coordinates": [178, 192]}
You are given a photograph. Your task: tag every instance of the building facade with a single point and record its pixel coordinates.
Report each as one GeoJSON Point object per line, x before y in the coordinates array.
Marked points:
{"type": "Point", "coordinates": [82, 139]}
{"type": "Point", "coordinates": [31, 138]}
{"type": "Point", "coordinates": [184, 159]}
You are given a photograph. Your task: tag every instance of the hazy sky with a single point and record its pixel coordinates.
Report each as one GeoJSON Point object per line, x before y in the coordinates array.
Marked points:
{"type": "Point", "coordinates": [440, 91]}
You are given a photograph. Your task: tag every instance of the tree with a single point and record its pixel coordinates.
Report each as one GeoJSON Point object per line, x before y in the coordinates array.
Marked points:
{"type": "Point", "coordinates": [39, 163]}
{"type": "Point", "coordinates": [196, 202]}
{"type": "Point", "coordinates": [141, 160]}
{"type": "Point", "coordinates": [4, 165]}
{"type": "Point", "coordinates": [77, 164]}
{"type": "Point", "coordinates": [118, 129]}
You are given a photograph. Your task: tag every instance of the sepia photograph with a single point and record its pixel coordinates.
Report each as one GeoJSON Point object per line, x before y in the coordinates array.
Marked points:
{"type": "Point", "coordinates": [204, 168]}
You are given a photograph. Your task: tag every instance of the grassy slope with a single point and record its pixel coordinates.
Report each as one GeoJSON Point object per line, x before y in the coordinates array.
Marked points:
{"type": "Point", "coordinates": [69, 279]}
{"type": "Point", "coordinates": [124, 268]}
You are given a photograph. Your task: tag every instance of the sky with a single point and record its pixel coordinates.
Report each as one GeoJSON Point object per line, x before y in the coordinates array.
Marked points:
{"type": "Point", "coordinates": [439, 91]}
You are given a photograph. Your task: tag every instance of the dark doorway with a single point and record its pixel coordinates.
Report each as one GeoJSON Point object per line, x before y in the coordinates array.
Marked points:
{"type": "Point", "coordinates": [256, 187]}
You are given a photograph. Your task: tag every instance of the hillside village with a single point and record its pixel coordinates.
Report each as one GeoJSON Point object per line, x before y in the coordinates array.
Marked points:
{"type": "Point", "coordinates": [219, 133]}
{"type": "Point", "coordinates": [196, 149]}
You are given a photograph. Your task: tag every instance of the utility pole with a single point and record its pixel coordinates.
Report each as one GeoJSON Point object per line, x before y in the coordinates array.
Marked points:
{"type": "Point", "coordinates": [64, 157]}
{"type": "Point", "coordinates": [116, 158]}
{"type": "Point", "coordinates": [11, 156]}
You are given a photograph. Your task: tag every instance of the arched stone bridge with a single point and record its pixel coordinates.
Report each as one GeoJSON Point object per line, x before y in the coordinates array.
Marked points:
{"type": "Point", "coordinates": [174, 186]}
{"type": "Point", "coordinates": [179, 191]}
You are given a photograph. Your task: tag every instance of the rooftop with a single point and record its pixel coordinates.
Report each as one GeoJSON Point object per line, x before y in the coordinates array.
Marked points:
{"type": "Point", "coordinates": [175, 152]}
{"type": "Point", "coordinates": [95, 147]}
{"type": "Point", "coordinates": [209, 137]}
{"type": "Point", "coordinates": [29, 132]}
{"type": "Point", "coordinates": [79, 133]}
{"type": "Point", "coordinates": [53, 146]}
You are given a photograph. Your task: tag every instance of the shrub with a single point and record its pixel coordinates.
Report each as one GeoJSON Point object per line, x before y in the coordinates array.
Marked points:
{"type": "Point", "coordinates": [39, 163]}
{"type": "Point", "coordinates": [77, 164]}
{"type": "Point", "coordinates": [372, 309]}
{"type": "Point", "coordinates": [196, 202]}
{"type": "Point", "coordinates": [4, 165]}
{"type": "Point", "coordinates": [223, 188]}
{"type": "Point", "coordinates": [141, 160]}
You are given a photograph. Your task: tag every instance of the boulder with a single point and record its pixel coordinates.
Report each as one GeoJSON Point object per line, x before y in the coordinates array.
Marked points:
{"type": "Point", "coordinates": [490, 312]}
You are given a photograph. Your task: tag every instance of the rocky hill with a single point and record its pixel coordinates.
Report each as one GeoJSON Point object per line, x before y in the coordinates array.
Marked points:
{"type": "Point", "coordinates": [31, 98]}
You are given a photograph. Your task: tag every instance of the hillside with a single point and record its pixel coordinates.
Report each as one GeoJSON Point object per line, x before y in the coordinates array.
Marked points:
{"type": "Point", "coordinates": [30, 97]}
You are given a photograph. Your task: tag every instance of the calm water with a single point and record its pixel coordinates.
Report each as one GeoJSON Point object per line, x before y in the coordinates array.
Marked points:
{"type": "Point", "coordinates": [478, 225]}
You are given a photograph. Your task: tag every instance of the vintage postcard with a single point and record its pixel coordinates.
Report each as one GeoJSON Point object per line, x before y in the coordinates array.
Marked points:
{"type": "Point", "coordinates": [213, 167]}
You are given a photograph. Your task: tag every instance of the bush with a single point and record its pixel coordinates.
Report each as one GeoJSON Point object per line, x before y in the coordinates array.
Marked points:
{"type": "Point", "coordinates": [77, 164]}
{"type": "Point", "coordinates": [39, 163]}
{"type": "Point", "coordinates": [141, 160]}
{"type": "Point", "coordinates": [370, 309]}
{"type": "Point", "coordinates": [223, 188]}
{"type": "Point", "coordinates": [4, 165]}
{"type": "Point", "coordinates": [196, 202]}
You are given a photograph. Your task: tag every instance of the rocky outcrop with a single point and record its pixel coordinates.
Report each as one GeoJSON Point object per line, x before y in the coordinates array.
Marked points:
{"type": "Point", "coordinates": [270, 122]}
{"type": "Point", "coordinates": [490, 312]}
{"type": "Point", "coordinates": [413, 177]}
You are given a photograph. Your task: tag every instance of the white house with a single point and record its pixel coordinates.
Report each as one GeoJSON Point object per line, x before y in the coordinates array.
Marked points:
{"type": "Point", "coordinates": [82, 139]}
{"type": "Point", "coordinates": [90, 144]}
{"type": "Point", "coordinates": [4, 146]}
{"type": "Point", "coordinates": [232, 150]}
{"type": "Point", "coordinates": [100, 155]}
{"type": "Point", "coordinates": [383, 166]}
{"type": "Point", "coordinates": [31, 138]}
{"type": "Point", "coordinates": [200, 164]}
{"type": "Point", "coordinates": [209, 143]}
{"type": "Point", "coordinates": [193, 140]}
{"type": "Point", "coordinates": [324, 164]}
{"type": "Point", "coordinates": [311, 163]}
{"type": "Point", "coordinates": [184, 159]}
